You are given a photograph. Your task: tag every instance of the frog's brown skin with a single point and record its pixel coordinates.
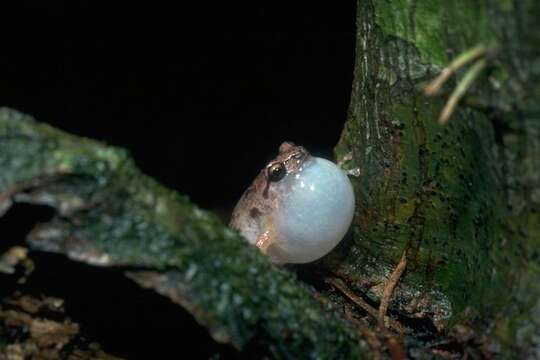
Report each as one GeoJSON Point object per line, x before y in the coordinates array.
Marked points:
{"type": "Point", "coordinates": [252, 216]}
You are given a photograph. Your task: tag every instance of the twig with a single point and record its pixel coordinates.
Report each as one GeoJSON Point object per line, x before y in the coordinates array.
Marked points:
{"type": "Point", "coordinates": [462, 60]}
{"type": "Point", "coordinates": [338, 284]}
{"type": "Point", "coordinates": [461, 89]}
{"type": "Point", "coordinates": [390, 285]}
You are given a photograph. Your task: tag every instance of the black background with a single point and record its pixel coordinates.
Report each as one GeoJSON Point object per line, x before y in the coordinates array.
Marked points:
{"type": "Point", "coordinates": [200, 93]}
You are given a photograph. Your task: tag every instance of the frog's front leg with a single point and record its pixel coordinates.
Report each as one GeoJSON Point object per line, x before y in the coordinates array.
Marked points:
{"type": "Point", "coordinates": [269, 245]}
{"type": "Point", "coordinates": [263, 242]}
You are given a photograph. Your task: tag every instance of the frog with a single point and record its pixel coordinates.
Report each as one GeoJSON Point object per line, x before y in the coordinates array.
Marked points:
{"type": "Point", "coordinates": [297, 209]}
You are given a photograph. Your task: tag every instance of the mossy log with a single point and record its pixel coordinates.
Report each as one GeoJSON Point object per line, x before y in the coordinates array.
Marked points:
{"type": "Point", "coordinates": [110, 214]}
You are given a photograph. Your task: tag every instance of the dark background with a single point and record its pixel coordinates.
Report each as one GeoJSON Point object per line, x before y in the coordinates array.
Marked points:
{"type": "Point", "coordinates": [201, 94]}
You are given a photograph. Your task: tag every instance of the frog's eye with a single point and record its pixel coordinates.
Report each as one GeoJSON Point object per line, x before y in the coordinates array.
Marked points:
{"type": "Point", "coordinates": [276, 172]}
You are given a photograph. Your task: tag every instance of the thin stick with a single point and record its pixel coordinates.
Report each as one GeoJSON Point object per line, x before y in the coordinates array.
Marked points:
{"type": "Point", "coordinates": [460, 90]}
{"type": "Point", "coordinates": [462, 60]}
{"type": "Point", "coordinates": [338, 284]}
{"type": "Point", "coordinates": [390, 286]}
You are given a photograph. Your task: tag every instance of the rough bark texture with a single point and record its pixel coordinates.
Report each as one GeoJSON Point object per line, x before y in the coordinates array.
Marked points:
{"type": "Point", "coordinates": [461, 199]}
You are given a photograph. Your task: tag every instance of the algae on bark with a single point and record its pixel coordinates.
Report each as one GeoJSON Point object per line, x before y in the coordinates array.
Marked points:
{"type": "Point", "coordinates": [460, 199]}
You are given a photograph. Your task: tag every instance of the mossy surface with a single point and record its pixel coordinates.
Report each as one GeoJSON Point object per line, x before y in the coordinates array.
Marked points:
{"type": "Point", "coordinates": [110, 214]}
{"type": "Point", "coordinates": [444, 194]}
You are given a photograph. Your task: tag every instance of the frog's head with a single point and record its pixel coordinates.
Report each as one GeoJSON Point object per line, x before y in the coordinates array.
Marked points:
{"type": "Point", "coordinates": [289, 161]}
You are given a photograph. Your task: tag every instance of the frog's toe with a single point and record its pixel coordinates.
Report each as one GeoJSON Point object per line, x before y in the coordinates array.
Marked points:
{"type": "Point", "coordinates": [263, 242]}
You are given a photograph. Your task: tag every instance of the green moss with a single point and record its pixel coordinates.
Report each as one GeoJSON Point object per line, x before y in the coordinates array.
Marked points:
{"type": "Point", "coordinates": [111, 214]}
{"type": "Point", "coordinates": [433, 190]}
{"type": "Point", "coordinates": [401, 19]}
{"type": "Point", "coordinates": [427, 23]}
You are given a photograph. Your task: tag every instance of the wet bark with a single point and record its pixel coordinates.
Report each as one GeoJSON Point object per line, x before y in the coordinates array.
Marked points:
{"type": "Point", "coordinates": [459, 200]}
